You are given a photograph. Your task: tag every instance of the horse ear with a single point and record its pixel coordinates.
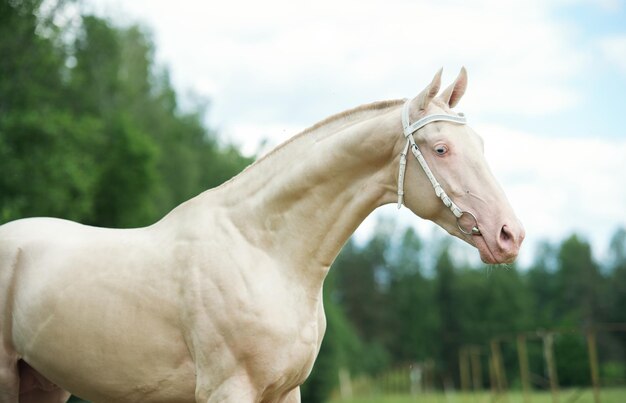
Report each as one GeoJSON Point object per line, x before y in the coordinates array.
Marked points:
{"type": "Point", "coordinates": [427, 95]}
{"type": "Point", "coordinates": [452, 95]}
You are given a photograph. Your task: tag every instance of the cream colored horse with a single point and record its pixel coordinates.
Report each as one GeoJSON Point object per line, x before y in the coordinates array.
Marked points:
{"type": "Point", "coordinates": [221, 300]}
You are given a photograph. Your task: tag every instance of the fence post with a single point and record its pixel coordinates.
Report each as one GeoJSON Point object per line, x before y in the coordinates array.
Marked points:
{"type": "Point", "coordinates": [593, 364]}
{"type": "Point", "coordinates": [523, 366]}
{"type": "Point", "coordinates": [548, 354]}
{"type": "Point", "coordinates": [498, 368]}
{"type": "Point", "coordinates": [345, 384]}
{"type": "Point", "coordinates": [429, 369]}
{"type": "Point", "coordinates": [464, 369]}
{"type": "Point", "coordinates": [493, 381]}
{"type": "Point", "coordinates": [477, 371]}
{"type": "Point", "coordinates": [416, 378]}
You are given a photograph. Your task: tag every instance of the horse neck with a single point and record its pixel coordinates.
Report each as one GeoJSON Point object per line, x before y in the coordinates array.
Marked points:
{"type": "Point", "coordinates": [304, 200]}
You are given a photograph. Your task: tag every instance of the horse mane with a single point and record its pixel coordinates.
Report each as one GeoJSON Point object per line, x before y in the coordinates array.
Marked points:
{"type": "Point", "coordinates": [344, 117]}
{"type": "Point", "coordinates": [339, 117]}
{"type": "Point", "coordinates": [374, 106]}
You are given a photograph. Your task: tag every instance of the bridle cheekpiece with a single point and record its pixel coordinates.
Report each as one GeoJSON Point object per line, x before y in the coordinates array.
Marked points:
{"type": "Point", "coordinates": [410, 129]}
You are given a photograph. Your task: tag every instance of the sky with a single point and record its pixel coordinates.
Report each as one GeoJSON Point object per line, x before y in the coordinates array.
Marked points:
{"type": "Point", "coordinates": [547, 83]}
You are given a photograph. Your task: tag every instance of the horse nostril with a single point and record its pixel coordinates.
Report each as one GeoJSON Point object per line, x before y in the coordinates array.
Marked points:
{"type": "Point", "coordinates": [506, 237]}
{"type": "Point", "coordinates": [508, 243]}
{"type": "Point", "coordinates": [505, 234]}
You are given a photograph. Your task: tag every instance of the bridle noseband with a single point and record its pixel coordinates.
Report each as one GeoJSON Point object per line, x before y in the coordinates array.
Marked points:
{"type": "Point", "coordinates": [409, 130]}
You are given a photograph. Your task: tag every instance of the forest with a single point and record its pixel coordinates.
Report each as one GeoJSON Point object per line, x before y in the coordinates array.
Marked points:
{"type": "Point", "coordinates": [92, 130]}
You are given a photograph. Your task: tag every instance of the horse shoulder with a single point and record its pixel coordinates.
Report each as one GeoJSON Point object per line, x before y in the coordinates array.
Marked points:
{"type": "Point", "coordinates": [242, 311]}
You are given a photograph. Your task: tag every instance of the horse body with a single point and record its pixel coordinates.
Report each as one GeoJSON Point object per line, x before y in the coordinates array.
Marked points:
{"type": "Point", "coordinates": [221, 300]}
{"type": "Point", "coordinates": [88, 304]}
{"type": "Point", "coordinates": [142, 315]}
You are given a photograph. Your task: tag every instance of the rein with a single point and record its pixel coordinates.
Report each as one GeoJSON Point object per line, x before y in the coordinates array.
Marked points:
{"type": "Point", "coordinates": [409, 130]}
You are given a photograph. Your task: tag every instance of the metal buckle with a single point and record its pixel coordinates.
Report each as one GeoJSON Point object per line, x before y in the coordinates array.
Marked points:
{"type": "Point", "coordinates": [474, 228]}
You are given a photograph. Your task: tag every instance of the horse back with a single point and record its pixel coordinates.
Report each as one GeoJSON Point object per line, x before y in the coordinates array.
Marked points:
{"type": "Point", "coordinates": [83, 305]}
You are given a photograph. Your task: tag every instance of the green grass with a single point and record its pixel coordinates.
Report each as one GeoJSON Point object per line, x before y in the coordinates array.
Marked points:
{"type": "Point", "coordinates": [607, 395]}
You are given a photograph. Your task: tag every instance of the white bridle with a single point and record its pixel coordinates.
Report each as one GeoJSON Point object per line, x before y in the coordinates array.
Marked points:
{"type": "Point", "coordinates": [409, 130]}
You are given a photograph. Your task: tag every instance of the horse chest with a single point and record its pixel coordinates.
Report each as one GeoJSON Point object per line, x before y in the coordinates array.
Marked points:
{"type": "Point", "coordinates": [259, 321]}
{"type": "Point", "coordinates": [284, 358]}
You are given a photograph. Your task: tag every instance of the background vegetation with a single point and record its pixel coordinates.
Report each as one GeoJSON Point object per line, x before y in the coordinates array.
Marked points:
{"type": "Point", "coordinates": [92, 130]}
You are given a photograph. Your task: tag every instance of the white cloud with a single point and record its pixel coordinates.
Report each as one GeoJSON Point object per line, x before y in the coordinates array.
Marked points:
{"type": "Point", "coordinates": [561, 185]}
{"type": "Point", "coordinates": [324, 56]}
{"type": "Point", "coordinates": [614, 51]}
{"type": "Point", "coordinates": [608, 5]}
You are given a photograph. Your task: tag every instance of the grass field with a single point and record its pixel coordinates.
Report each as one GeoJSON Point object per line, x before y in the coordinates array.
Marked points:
{"type": "Point", "coordinates": [607, 395]}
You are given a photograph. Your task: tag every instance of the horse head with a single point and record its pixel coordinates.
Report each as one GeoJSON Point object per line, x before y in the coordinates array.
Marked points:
{"type": "Point", "coordinates": [467, 202]}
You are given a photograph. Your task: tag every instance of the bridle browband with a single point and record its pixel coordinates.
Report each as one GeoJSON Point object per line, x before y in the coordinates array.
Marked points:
{"type": "Point", "coordinates": [410, 129]}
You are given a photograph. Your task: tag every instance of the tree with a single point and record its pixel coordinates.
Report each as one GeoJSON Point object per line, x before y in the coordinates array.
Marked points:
{"type": "Point", "coordinates": [31, 62]}
{"type": "Point", "coordinates": [579, 283]}
{"type": "Point", "coordinates": [46, 151]}
{"type": "Point", "coordinates": [360, 272]}
{"type": "Point", "coordinates": [447, 303]}
{"type": "Point", "coordinates": [617, 276]}
{"type": "Point", "coordinates": [617, 249]}
{"type": "Point", "coordinates": [542, 286]}
{"type": "Point", "coordinates": [413, 320]}
{"type": "Point", "coordinates": [616, 299]}
{"type": "Point", "coordinates": [47, 160]}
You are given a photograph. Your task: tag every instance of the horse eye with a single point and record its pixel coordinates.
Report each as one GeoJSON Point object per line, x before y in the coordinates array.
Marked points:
{"type": "Point", "coordinates": [441, 149]}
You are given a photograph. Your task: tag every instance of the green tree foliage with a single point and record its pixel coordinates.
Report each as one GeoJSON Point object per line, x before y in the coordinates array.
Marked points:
{"type": "Point", "coordinates": [47, 160]}
{"type": "Point", "coordinates": [572, 363]}
{"type": "Point", "coordinates": [617, 277]}
{"type": "Point", "coordinates": [426, 305]}
{"type": "Point", "coordinates": [44, 169]}
{"type": "Point", "coordinates": [579, 282]}
{"type": "Point", "coordinates": [91, 129]}
{"type": "Point", "coordinates": [413, 322]}
{"type": "Point", "coordinates": [615, 299]}
{"type": "Point", "coordinates": [542, 284]}
{"type": "Point", "coordinates": [447, 303]}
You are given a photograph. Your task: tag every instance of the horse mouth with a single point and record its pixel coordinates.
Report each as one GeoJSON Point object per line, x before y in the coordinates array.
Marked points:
{"type": "Point", "coordinates": [486, 255]}
{"type": "Point", "coordinates": [493, 254]}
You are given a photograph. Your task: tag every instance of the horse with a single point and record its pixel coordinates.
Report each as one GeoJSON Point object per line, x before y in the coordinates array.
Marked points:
{"type": "Point", "coordinates": [221, 299]}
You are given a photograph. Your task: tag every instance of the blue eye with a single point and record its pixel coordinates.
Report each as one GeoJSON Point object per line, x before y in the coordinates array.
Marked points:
{"type": "Point", "coordinates": [441, 149]}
